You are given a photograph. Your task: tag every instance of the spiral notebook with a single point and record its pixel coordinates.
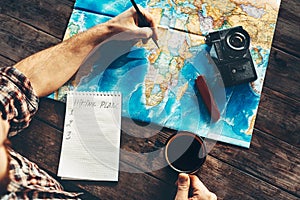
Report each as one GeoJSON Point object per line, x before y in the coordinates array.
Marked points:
{"type": "Point", "coordinates": [91, 136]}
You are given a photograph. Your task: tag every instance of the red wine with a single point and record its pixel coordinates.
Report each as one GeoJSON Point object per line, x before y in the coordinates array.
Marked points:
{"type": "Point", "coordinates": [185, 152]}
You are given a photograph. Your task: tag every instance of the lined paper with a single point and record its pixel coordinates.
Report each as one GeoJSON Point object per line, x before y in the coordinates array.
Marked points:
{"type": "Point", "coordinates": [91, 137]}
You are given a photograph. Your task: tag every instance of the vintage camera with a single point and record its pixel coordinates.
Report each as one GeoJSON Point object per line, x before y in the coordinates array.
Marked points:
{"type": "Point", "coordinates": [230, 52]}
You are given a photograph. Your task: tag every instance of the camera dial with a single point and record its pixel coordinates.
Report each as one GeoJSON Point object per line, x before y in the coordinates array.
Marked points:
{"type": "Point", "coordinates": [238, 40]}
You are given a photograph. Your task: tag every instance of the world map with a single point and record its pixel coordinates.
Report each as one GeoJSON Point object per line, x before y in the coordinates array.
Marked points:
{"type": "Point", "coordinates": [158, 84]}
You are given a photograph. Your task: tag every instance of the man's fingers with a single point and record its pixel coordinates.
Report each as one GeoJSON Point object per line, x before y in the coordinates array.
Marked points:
{"type": "Point", "coordinates": [143, 33]}
{"type": "Point", "coordinates": [183, 185]}
{"type": "Point", "coordinates": [200, 192]}
{"type": "Point", "coordinates": [152, 22]}
{"type": "Point", "coordinates": [197, 185]}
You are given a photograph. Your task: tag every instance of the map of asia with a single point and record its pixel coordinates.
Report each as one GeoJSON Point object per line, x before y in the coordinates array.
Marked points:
{"type": "Point", "coordinates": [158, 84]}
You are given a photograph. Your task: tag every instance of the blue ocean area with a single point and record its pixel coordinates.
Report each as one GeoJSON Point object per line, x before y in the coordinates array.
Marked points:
{"type": "Point", "coordinates": [106, 7]}
{"type": "Point", "coordinates": [240, 108]}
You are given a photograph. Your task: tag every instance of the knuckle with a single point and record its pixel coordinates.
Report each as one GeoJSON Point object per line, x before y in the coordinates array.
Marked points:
{"type": "Point", "coordinates": [183, 187]}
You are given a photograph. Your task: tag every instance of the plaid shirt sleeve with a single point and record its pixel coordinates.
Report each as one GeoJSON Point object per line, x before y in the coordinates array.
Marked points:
{"type": "Point", "coordinates": [18, 104]}
{"type": "Point", "coordinates": [28, 181]}
{"type": "Point", "coordinates": [18, 101]}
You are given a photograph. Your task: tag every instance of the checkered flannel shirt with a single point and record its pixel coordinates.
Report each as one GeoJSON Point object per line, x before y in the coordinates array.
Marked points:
{"type": "Point", "coordinates": [18, 103]}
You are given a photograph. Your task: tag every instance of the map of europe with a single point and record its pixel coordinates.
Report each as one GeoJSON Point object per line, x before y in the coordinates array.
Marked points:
{"type": "Point", "coordinates": [158, 84]}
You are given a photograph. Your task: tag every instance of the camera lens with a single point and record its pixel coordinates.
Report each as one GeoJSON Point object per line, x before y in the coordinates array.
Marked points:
{"type": "Point", "coordinates": [237, 41]}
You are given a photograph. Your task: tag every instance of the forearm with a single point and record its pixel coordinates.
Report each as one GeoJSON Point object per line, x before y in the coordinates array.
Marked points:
{"type": "Point", "coordinates": [49, 69]}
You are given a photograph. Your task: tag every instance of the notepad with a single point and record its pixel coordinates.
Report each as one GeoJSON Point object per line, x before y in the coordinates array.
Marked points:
{"type": "Point", "coordinates": [91, 136]}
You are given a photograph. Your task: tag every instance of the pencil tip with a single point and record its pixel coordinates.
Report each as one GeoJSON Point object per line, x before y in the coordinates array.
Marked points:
{"type": "Point", "coordinates": [155, 41]}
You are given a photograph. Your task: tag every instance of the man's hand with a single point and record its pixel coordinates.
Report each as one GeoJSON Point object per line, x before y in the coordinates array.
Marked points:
{"type": "Point", "coordinates": [199, 191]}
{"type": "Point", "coordinates": [128, 22]}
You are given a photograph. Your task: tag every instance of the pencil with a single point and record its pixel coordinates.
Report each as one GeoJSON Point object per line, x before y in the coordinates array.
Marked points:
{"type": "Point", "coordinates": [142, 20]}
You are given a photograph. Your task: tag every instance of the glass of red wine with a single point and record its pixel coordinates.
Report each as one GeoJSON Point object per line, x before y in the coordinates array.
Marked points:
{"type": "Point", "coordinates": [185, 152]}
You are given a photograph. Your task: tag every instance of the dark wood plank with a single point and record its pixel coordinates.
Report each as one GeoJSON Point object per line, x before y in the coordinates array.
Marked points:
{"type": "Point", "coordinates": [49, 16]}
{"type": "Point", "coordinates": [57, 110]}
{"type": "Point", "coordinates": [230, 183]}
{"type": "Point", "coordinates": [269, 159]}
{"type": "Point", "coordinates": [132, 186]}
{"type": "Point", "coordinates": [287, 30]}
{"type": "Point", "coordinates": [5, 61]}
{"type": "Point", "coordinates": [283, 74]}
{"type": "Point", "coordinates": [18, 40]}
{"type": "Point", "coordinates": [278, 115]}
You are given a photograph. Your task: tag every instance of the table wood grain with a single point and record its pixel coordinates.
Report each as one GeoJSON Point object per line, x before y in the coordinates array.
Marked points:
{"type": "Point", "coordinates": [270, 169]}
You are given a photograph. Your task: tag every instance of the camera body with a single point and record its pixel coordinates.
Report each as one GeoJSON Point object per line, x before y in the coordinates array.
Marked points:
{"type": "Point", "coordinates": [230, 52]}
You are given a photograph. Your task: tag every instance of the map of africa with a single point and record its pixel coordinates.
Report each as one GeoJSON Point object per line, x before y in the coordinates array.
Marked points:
{"type": "Point", "coordinates": [158, 84]}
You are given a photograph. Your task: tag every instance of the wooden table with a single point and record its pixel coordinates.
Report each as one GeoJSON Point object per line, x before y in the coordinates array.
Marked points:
{"type": "Point", "coordinates": [270, 169]}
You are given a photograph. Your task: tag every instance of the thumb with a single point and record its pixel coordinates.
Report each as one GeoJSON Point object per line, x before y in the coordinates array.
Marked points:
{"type": "Point", "coordinates": [183, 185]}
